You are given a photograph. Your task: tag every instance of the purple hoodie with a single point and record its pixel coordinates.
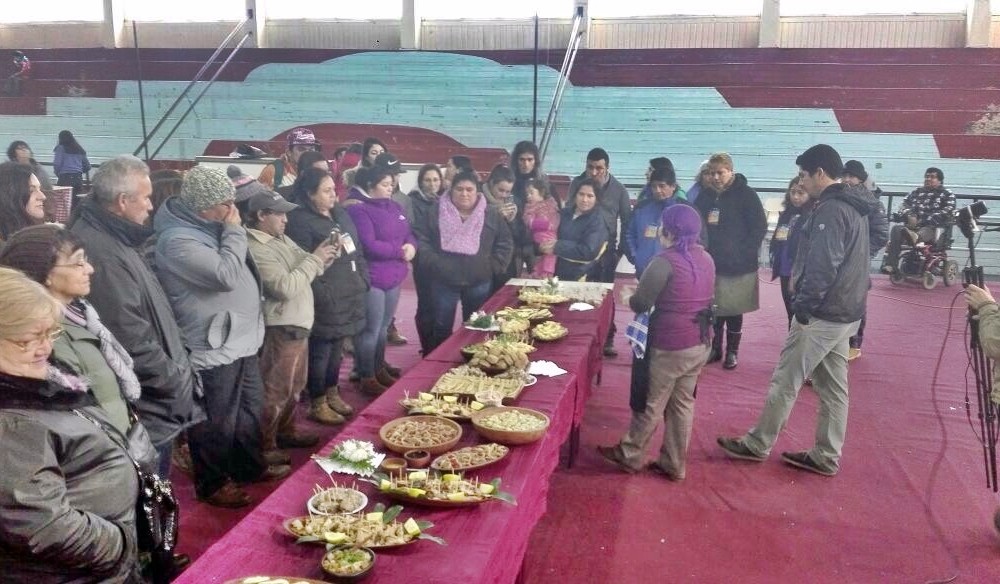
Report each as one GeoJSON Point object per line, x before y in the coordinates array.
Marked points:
{"type": "Point", "coordinates": [382, 229]}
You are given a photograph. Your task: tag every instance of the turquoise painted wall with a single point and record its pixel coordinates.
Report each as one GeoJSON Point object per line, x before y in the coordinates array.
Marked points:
{"type": "Point", "coordinates": [484, 104]}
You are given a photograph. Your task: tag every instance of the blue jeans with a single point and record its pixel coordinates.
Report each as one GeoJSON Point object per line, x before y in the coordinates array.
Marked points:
{"type": "Point", "coordinates": [446, 299]}
{"type": "Point", "coordinates": [369, 344]}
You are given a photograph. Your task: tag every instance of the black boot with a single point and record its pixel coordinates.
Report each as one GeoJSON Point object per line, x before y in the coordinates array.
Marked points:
{"type": "Point", "coordinates": [732, 347]}
{"type": "Point", "coordinates": [716, 353]}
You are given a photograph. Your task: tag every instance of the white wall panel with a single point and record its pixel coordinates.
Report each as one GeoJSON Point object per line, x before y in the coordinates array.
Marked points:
{"type": "Point", "coordinates": [492, 35]}
{"type": "Point", "coordinates": [673, 32]}
{"type": "Point", "coordinates": [173, 35]}
{"type": "Point", "coordinates": [51, 35]}
{"type": "Point", "coordinates": [333, 34]}
{"type": "Point", "coordinates": [873, 31]}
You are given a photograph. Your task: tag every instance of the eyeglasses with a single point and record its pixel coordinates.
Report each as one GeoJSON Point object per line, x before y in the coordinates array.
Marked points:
{"type": "Point", "coordinates": [30, 345]}
{"type": "Point", "coordinates": [80, 263]}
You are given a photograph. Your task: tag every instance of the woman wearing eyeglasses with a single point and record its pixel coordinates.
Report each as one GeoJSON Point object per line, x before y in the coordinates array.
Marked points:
{"type": "Point", "coordinates": [55, 258]}
{"type": "Point", "coordinates": [67, 491]}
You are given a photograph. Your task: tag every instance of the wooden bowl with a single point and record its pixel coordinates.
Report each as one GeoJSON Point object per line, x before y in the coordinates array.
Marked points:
{"type": "Point", "coordinates": [433, 449]}
{"type": "Point", "coordinates": [512, 437]}
{"type": "Point", "coordinates": [343, 577]}
{"type": "Point", "coordinates": [417, 458]}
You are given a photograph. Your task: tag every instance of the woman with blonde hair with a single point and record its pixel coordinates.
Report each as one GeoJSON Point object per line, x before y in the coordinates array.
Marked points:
{"type": "Point", "coordinates": [68, 492]}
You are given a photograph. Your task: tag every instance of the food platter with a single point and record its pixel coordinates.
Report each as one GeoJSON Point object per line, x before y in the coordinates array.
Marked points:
{"type": "Point", "coordinates": [538, 297]}
{"type": "Point", "coordinates": [331, 501]}
{"type": "Point", "coordinates": [459, 409]}
{"type": "Point", "coordinates": [548, 331]}
{"type": "Point", "coordinates": [352, 525]}
{"type": "Point", "coordinates": [513, 426]}
{"type": "Point", "coordinates": [470, 457]}
{"type": "Point", "coordinates": [431, 433]}
{"type": "Point", "coordinates": [260, 579]}
{"type": "Point", "coordinates": [526, 313]}
{"type": "Point", "coordinates": [470, 381]}
{"type": "Point", "coordinates": [440, 489]}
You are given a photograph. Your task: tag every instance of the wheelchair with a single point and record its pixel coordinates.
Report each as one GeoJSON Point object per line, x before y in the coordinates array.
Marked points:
{"type": "Point", "coordinates": [924, 262]}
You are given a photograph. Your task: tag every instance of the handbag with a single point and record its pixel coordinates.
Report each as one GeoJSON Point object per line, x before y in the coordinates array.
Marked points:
{"type": "Point", "coordinates": [156, 511]}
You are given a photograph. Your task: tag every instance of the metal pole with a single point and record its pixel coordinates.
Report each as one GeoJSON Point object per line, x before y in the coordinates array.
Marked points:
{"type": "Point", "coordinates": [200, 95]}
{"type": "Point", "coordinates": [197, 78]}
{"type": "Point", "coordinates": [142, 105]}
{"type": "Point", "coordinates": [534, 94]}
{"type": "Point", "coordinates": [551, 126]}
{"type": "Point", "coordinates": [577, 19]}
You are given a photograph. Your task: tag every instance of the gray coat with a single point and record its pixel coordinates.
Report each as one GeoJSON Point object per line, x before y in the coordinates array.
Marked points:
{"type": "Point", "coordinates": [67, 492]}
{"type": "Point", "coordinates": [212, 285]}
{"type": "Point", "coordinates": [135, 309]}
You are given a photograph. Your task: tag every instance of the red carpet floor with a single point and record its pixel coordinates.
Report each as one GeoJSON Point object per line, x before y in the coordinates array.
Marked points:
{"type": "Point", "coordinates": [909, 505]}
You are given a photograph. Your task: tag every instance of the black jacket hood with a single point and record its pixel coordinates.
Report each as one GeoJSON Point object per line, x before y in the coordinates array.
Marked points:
{"type": "Point", "coordinates": [856, 196]}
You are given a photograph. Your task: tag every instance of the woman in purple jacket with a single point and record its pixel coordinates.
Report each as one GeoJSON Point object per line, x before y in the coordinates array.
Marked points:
{"type": "Point", "coordinates": [388, 245]}
{"type": "Point", "coordinates": [679, 284]}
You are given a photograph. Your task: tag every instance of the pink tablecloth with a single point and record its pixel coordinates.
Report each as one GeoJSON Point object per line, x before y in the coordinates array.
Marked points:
{"type": "Point", "coordinates": [485, 543]}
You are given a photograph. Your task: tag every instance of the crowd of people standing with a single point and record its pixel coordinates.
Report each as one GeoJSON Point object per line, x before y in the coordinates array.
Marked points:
{"type": "Point", "coordinates": [202, 305]}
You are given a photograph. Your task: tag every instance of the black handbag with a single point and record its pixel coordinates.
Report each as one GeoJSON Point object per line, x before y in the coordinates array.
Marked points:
{"type": "Point", "coordinates": [156, 512]}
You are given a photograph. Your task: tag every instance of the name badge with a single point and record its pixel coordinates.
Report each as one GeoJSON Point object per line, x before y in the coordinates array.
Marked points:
{"type": "Point", "coordinates": [651, 231]}
{"type": "Point", "coordinates": [781, 233]}
{"type": "Point", "coordinates": [347, 243]}
{"type": "Point", "coordinates": [713, 217]}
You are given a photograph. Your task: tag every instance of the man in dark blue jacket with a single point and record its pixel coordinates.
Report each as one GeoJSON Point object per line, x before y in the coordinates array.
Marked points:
{"type": "Point", "coordinates": [831, 287]}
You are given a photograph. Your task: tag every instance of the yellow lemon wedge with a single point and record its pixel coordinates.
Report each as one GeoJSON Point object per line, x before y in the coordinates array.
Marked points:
{"type": "Point", "coordinates": [450, 477]}
{"type": "Point", "coordinates": [417, 476]}
{"type": "Point", "coordinates": [476, 406]}
{"type": "Point", "coordinates": [450, 398]}
{"type": "Point", "coordinates": [486, 488]}
{"type": "Point", "coordinates": [335, 537]}
{"type": "Point", "coordinates": [426, 396]}
{"type": "Point", "coordinates": [374, 516]}
{"type": "Point", "coordinates": [411, 527]}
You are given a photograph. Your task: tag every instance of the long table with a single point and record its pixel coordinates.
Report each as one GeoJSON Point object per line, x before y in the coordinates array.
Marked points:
{"type": "Point", "coordinates": [485, 543]}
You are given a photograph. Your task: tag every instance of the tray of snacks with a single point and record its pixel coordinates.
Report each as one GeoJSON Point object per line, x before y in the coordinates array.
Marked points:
{"type": "Point", "coordinates": [448, 406]}
{"type": "Point", "coordinates": [514, 325]}
{"type": "Point", "coordinates": [348, 564]}
{"type": "Point", "coordinates": [540, 296]}
{"type": "Point", "coordinates": [434, 489]}
{"type": "Point", "coordinates": [379, 529]}
{"type": "Point", "coordinates": [431, 433]}
{"type": "Point", "coordinates": [549, 330]}
{"type": "Point", "coordinates": [470, 457]}
{"type": "Point", "coordinates": [508, 425]}
{"type": "Point", "coordinates": [466, 380]}
{"type": "Point", "coordinates": [336, 499]}
{"type": "Point", "coordinates": [525, 313]}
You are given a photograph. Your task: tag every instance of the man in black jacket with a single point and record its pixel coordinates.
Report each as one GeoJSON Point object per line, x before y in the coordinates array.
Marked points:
{"type": "Point", "coordinates": [113, 227]}
{"type": "Point", "coordinates": [831, 287]}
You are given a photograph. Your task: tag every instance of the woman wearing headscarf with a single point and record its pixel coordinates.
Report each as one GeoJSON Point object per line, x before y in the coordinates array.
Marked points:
{"type": "Point", "coordinates": [464, 244]}
{"type": "Point", "coordinates": [68, 491]}
{"type": "Point", "coordinates": [679, 285]}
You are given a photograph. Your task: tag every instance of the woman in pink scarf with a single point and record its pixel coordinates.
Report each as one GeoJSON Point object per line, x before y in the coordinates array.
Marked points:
{"type": "Point", "coordinates": [464, 242]}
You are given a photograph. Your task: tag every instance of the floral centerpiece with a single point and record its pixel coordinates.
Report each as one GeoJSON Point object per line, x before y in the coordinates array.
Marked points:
{"type": "Point", "coordinates": [356, 457]}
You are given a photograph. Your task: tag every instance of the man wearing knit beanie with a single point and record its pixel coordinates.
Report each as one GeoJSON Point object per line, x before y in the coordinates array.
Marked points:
{"type": "Point", "coordinates": [831, 282]}
{"type": "Point", "coordinates": [202, 262]}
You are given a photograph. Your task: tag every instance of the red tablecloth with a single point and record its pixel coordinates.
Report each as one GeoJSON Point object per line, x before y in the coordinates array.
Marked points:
{"type": "Point", "coordinates": [485, 543]}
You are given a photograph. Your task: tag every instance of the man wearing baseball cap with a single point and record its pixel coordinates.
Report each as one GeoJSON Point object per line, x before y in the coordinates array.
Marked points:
{"type": "Point", "coordinates": [281, 172]}
{"type": "Point", "coordinates": [286, 272]}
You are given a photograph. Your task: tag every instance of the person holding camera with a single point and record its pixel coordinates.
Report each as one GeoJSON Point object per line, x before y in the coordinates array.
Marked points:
{"type": "Point", "coordinates": [981, 302]}
{"type": "Point", "coordinates": [338, 293]}
{"type": "Point", "coordinates": [921, 213]}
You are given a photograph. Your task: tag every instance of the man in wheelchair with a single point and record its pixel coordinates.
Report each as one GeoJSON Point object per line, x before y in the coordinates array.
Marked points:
{"type": "Point", "coordinates": [927, 215]}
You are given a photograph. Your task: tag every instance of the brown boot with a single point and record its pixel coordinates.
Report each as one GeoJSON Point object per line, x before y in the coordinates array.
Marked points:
{"type": "Point", "coordinates": [384, 378]}
{"type": "Point", "coordinates": [320, 412]}
{"type": "Point", "coordinates": [393, 337]}
{"type": "Point", "coordinates": [337, 403]}
{"type": "Point", "coordinates": [371, 386]}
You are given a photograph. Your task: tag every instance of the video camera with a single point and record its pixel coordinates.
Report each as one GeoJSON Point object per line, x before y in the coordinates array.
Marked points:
{"type": "Point", "coordinates": [966, 218]}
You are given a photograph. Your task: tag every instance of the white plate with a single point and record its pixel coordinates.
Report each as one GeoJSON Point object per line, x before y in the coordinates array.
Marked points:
{"type": "Point", "coordinates": [531, 381]}
{"type": "Point", "coordinates": [315, 511]}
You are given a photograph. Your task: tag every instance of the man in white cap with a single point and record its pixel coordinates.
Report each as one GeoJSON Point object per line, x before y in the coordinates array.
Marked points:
{"type": "Point", "coordinates": [281, 172]}
{"type": "Point", "coordinates": [286, 271]}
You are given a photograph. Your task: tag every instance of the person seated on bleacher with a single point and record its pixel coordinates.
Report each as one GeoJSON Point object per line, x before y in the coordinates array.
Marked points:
{"type": "Point", "coordinates": [921, 213]}
{"type": "Point", "coordinates": [282, 171]}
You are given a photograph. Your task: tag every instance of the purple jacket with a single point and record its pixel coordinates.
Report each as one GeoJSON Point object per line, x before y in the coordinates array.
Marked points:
{"type": "Point", "coordinates": [689, 290]}
{"type": "Point", "coordinates": [382, 229]}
